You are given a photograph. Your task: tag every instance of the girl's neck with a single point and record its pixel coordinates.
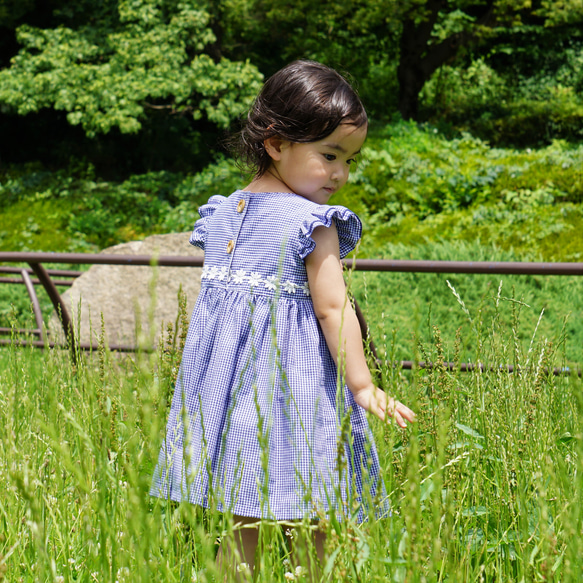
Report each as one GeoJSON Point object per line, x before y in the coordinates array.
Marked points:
{"type": "Point", "coordinates": [268, 182]}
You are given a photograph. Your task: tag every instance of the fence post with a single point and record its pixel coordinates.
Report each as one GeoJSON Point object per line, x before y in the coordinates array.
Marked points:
{"type": "Point", "coordinates": [59, 305]}
{"type": "Point", "coordinates": [35, 305]}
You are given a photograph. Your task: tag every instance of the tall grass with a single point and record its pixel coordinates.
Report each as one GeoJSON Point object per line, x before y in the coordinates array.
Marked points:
{"type": "Point", "coordinates": [487, 486]}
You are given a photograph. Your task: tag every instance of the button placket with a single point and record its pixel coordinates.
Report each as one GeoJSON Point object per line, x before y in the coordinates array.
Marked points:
{"type": "Point", "coordinates": [241, 210]}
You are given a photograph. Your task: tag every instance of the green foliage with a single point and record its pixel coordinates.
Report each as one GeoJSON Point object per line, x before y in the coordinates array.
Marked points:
{"type": "Point", "coordinates": [223, 177]}
{"type": "Point", "coordinates": [514, 96]}
{"type": "Point", "coordinates": [412, 183]}
{"type": "Point", "coordinates": [106, 77]}
{"type": "Point", "coordinates": [73, 210]}
{"type": "Point", "coordinates": [560, 12]}
{"type": "Point", "coordinates": [353, 36]}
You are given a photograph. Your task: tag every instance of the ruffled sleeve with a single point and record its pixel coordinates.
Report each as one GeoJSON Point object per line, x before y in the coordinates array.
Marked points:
{"type": "Point", "coordinates": [206, 211]}
{"type": "Point", "coordinates": [347, 223]}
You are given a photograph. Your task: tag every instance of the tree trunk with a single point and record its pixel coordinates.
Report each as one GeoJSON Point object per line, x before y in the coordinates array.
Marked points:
{"type": "Point", "coordinates": [419, 59]}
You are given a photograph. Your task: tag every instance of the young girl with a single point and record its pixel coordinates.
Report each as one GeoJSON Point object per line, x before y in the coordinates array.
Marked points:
{"type": "Point", "coordinates": [255, 427]}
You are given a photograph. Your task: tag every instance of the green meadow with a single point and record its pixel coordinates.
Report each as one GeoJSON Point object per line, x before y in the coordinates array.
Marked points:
{"type": "Point", "coordinates": [486, 486]}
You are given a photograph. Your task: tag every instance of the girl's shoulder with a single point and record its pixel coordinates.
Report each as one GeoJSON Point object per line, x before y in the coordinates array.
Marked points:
{"type": "Point", "coordinates": [347, 223]}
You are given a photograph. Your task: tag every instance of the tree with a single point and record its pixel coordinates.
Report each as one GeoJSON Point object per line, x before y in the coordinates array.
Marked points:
{"type": "Point", "coordinates": [402, 42]}
{"type": "Point", "coordinates": [433, 32]}
{"type": "Point", "coordinates": [147, 56]}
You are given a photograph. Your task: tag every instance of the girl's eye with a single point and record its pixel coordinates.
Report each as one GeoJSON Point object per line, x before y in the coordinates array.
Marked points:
{"type": "Point", "coordinates": [351, 161]}
{"type": "Point", "coordinates": [330, 157]}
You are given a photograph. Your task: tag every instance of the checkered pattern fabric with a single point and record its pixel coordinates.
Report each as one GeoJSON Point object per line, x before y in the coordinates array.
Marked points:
{"type": "Point", "coordinates": [256, 422]}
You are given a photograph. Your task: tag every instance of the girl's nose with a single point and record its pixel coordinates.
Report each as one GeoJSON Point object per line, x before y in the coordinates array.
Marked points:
{"type": "Point", "coordinates": [340, 173]}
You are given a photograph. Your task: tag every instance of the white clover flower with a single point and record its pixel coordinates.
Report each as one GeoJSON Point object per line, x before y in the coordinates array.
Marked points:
{"type": "Point", "coordinates": [289, 576]}
{"type": "Point", "coordinates": [290, 286]}
{"type": "Point", "coordinates": [255, 279]}
{"type": "Point", "coordinates": [239, 276]}
{"type": "Point", "coordinates": [270, 282]}
{"type": "Point", "coordinates": [300, 571]}
{"type": "Point", "coordinates": [60, 579]}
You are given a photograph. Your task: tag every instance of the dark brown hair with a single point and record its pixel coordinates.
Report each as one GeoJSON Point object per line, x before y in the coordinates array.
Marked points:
{"type": "Point", "coordinates": [303, 102]}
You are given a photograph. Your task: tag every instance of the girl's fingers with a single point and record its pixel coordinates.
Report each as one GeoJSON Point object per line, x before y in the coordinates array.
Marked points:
{"type": "Point", "coordinates": [385, 407]}
{"type": "Point", "coordinates": [399, 412]}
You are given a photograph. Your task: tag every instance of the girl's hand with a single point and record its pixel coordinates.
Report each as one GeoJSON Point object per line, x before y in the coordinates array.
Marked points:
{"type": "Point", "coordinates": [378, 402]}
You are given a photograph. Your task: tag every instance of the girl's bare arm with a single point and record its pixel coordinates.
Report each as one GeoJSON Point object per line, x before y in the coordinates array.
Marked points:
{"type": "Point", "coordinates": [341, 329]}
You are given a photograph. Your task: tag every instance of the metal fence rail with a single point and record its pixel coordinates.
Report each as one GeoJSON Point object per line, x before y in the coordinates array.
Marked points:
{"type": "Point", "coordinates": [35, 260]}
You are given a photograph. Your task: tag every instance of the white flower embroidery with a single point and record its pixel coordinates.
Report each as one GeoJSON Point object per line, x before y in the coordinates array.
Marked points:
{"type": "Point", "coordinates": [255, 279]}
{"type": "Point", "coordinates": [239, 276]}
{"type": "Point", "coordinates": [270, 282]}
{"type": "Point", "coordinates": [289, 286]}
{"type": "Point", "coordinates": [213, 272]}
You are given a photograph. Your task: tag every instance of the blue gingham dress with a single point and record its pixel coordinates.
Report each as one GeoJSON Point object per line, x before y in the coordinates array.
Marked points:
{"type": "Point", "coordinates": [256, 423]}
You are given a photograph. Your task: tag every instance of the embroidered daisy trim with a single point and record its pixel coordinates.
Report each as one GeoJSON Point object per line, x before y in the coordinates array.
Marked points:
{"type": "Point", "coordinates": [254, 279]}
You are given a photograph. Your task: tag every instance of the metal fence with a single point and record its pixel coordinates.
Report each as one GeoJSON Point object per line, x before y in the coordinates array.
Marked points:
{"type": "Point", "coordinates": [44, 277]}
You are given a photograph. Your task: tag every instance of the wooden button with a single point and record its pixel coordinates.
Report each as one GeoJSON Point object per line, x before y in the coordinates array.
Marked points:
{"type": "Point", "coordinates": [241, 205]}
{"type": "Point", "coordinates": [230, 246]}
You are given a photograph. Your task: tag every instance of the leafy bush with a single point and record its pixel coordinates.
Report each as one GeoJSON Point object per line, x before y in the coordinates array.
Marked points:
{"type": "Point", "coordinates": [223, 177]}
{"type": "Point", "coordinates": [73, 210]}
{"type": "Point", "coordinates": [109, 73]}
{"type": "Point", "coordinates": [508, 105]}
{"type": "Point", "coordinates": [412, 182]}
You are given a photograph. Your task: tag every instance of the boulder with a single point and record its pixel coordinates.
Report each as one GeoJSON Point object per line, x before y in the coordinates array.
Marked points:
{"type": "Point", "coordinates": [131, 298]}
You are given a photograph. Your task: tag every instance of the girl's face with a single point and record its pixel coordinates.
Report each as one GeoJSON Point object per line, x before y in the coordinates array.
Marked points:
{"type": "Point", "coordinates": [316, 170]}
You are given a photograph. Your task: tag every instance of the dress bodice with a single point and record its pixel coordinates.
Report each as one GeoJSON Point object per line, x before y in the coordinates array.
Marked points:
{"type": "Point", "coordinates": [258, 241]}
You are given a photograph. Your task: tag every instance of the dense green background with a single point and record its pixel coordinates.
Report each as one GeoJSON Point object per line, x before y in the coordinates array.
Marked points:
{"type": "Point", "coordinates": [113, 115]}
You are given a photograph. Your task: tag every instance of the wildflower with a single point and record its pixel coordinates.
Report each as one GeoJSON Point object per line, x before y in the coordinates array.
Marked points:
{"type": "Point", "coordinates": [289, 576]}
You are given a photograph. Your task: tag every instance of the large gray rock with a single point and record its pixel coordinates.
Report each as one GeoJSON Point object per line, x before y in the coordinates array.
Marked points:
{"type": "Point", "coordinates": [131, 297]}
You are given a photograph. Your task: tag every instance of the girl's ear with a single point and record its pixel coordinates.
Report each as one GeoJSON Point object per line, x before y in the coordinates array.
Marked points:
{"type": "Point", "coordinates": [274, 146]}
